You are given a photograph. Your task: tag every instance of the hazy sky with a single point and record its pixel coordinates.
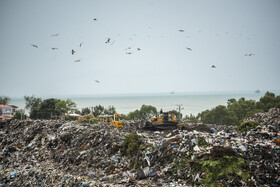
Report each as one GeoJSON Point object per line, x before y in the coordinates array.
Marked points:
{"type": "Point", "coordinates": [218, 32]}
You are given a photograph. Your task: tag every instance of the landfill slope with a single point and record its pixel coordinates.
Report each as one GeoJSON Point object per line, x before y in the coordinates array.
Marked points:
{"type": "Point", "coordinates": [61, 153]}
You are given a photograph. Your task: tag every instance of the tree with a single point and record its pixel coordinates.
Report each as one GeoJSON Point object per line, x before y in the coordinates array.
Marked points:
{"type": "Point", "coordinates": [65, 107]}
{"type": "Point", "coordinates": [47, 109]}
{"type": "Point", "coordinates": [134, 115]}
{"type": "Point", "coordinates": [253, 112]}
{"type": "Point", "coordinates": [4, 100]}
{"type": "Point", "coordinates": [219, 115]}
{"type": "Point", "coordinates": [147, 111]}
{"type": "Point", "coordinates": [191, 119]}
{"type": "Point", "coordinates": [111, 110]}
{"type": "Point", "coordinates": [19, 115]}
{"type": "Point", "coordinates": [98, 110]}
{"type": "Point", "coordinates": [85, 111]}
{"type": "Point", "coordinates": [241, 107]}
{"type": "Point", "coordinates": [268, 101]}
{"type": "Point", "coordinates": [177, 114]}
{"type": "Point", "coordinates": [32, 104]}
{"type": "Point", "coordinates": [237, 110]}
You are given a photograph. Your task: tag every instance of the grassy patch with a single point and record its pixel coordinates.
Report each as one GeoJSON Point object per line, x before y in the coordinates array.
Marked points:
{"type": "Point", "coordinates": [201, 141]}
{"type": "Point", "coordinates": [227, 167]}
{"type": "Point", "coordinates": [247, 126]}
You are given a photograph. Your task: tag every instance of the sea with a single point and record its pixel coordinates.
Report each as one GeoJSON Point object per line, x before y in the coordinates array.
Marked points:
{"type": "Point", "coordinates": [189, 103]}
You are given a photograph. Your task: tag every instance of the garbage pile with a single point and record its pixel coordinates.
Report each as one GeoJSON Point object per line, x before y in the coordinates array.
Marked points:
{"type": "Point", "coordinates": [61, 153]}
{"type": "Point", "coordinates": [272, 117]}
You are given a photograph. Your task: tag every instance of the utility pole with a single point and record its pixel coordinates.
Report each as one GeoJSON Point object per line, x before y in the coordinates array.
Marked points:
{"type": "Point", "coordinates": [180, 108]}
{"type": "Point", "coordinates": [20, 114]}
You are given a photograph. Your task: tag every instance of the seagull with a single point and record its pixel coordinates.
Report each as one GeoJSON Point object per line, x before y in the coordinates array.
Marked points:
{"type": "Point", "coordinates": [77, 60]}
{"type": "Point", "coordinates": [55, 35]}
{"type": "Point", "coordinates": [138, 49]}
{"type": "Point", "coordinates": [94, 19]}
{"type": "Point", "coordinates": [73, 52]}
{"type": "Point", "coordinates": [128, 53]}
{"type": "Point", "coordinates": [213, 66]}
{"type": "Point", "coordinates": [108, 40]}
{"type": "Point", "coordinates": [81, 44]}
{"type": "Point", "coordinates": [249, 54]}
{"type": "Point", "coordinates": [34, 45]}
{"type": "Point", "coordinates": [54, 48]}
{"type": "Point", "coordinates": [181, 30]}
{"type": "Point", "coordinates": [188, 48]}
{"type": "Point", "coordinates": [97, 81]}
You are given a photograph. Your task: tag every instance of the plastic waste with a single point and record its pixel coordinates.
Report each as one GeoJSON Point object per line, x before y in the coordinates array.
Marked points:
{"type": "Point", "coordinates": [196, 148]}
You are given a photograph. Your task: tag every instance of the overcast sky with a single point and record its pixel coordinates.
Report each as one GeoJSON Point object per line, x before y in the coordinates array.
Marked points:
{"type": "Point", "coordinates": [147, 51]}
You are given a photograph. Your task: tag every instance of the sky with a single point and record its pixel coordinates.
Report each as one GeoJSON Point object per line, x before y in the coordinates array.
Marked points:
{"type": "Point", "coordinates": [143, 46]}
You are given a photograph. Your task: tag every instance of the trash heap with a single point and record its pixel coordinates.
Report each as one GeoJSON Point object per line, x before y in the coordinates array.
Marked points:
{"type": "Point", "coordinates": [61, 153]}
{"type": "Point", "coordinates": [270, 118]}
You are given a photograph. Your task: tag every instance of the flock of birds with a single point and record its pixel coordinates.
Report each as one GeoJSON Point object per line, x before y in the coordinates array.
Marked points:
{"type": "Point", "coordinates": [128, 50]}
{"type": "Point", "coordinates": [72, 51]}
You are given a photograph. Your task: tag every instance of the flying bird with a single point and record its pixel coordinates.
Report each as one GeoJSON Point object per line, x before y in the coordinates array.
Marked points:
{"type": "Point", "coordinates": [138, 49]}
{"type": "Point", "coordinates": [55, 35]}
{"type": "Point", "coordinates": [97, 81]}
{"type": "Point", "coordinates": [108, 40]}
{"type": "Point", "coordinates": [249, 54]}
{"type": "Point", "coordinates": [73, 52]}
{"type": "Point", "coordinates": [34, 45]}
{"type": "Point", "coordinates": [213, 66]}
{"type": "Point", "coordinates": [77, 60]}
{"type": "Point", "coordinates": [54, 48]}
{"type": "Point", "coordinates": [94, 19]}
{"type": "Point", "coordinates": [188, 48]}
{"type": "Point", "coordinates": [81, 44]}
{"type": "Point", "coordinates": [181, 30]}
{"type": "Point", "coordinates": [128, 53]}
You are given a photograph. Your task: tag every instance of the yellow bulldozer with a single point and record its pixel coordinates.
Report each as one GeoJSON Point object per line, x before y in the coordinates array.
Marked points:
{"type": "Point", "coordinates": [165, 121]}
{"type": "Point", "coordinates": [111, 119]}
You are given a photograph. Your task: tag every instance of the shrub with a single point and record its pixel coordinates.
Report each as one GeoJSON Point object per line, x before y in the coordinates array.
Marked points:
{"type": "Point", "coordinates": [19, 116]}
{"type": "Point", "coordinates": [227, 167]}
{"type": "Point", "coordinates": [88, 119]}
{"type": "Point", "coordinates": [71, 118]}
{"type": "Point", "coordinates": [247, 126]}
{"type": "Point", "coordinates": [201, 141]}
{"type": "Point", "coordinates": [131, 144]}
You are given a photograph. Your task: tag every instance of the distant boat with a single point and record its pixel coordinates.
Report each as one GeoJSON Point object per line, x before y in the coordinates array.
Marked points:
{"type": "Point", "coordinates": [172, 92]}
{"type": "Point", "coordinates": [257, 91]}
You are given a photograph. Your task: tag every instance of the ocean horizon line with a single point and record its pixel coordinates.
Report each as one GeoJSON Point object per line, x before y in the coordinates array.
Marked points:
{"type": "Point", "coordinates": [148, 94]}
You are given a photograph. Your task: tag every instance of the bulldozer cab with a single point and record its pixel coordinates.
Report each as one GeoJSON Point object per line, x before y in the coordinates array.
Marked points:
{"type": "Point", "coordinates": [111, 119]}
{"type": "Point", "coordinates": [165, 121]}
{"type": "Point", "coordinates": [168, 117]}
{"type": "Point", "coordinates": [164, 118]}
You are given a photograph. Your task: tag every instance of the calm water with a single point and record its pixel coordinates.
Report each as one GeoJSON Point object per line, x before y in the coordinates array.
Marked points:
{"type": "Point", "coordinates": [191, 103]}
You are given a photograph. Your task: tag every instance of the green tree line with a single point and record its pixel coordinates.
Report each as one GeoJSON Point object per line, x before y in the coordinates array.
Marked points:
{"type": "Point", "coordinates": [232, 114]}
{"type": "Point", "coordinates": [237, 110]}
